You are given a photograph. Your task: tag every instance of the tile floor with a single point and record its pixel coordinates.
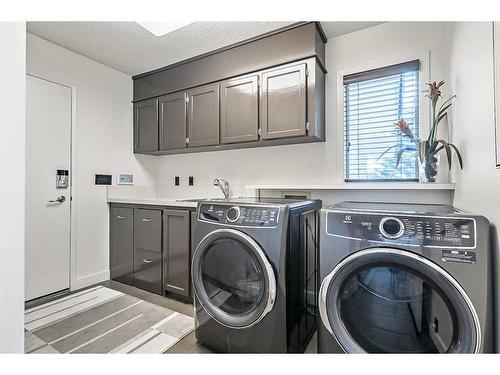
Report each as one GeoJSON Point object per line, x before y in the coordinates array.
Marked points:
{"type": "Point", "coordinates": [188, 344]}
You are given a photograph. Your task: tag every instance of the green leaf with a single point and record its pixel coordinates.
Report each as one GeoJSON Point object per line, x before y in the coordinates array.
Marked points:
{"type": "Point", "coordinates": [443, 110]}
{"type": "Point", "coordinates": [458, 155]}
{"type": "Point", "coordinates": [436, 150]}
{"type": "Point", "coordinates": [400, 153]}
{"type": "Point", "coordinates": [383, 153]}
{"type": "Point", "coordinates": [448, 151]}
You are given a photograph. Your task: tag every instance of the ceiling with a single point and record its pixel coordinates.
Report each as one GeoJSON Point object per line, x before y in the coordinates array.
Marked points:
{"type": "Point", "coordinates": [128, 47]}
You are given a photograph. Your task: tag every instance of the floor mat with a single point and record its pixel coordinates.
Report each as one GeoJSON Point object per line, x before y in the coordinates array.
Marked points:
{"type": "Point", "coordinates": [103, 320]}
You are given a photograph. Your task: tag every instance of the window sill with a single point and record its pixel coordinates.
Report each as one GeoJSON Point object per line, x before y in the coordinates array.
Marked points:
{"type": "Point", "coordinates": [358, 186]}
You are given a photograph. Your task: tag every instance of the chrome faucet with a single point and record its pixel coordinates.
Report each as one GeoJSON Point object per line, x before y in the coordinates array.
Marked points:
{"type": "Point", "coordinates": [223, 185]}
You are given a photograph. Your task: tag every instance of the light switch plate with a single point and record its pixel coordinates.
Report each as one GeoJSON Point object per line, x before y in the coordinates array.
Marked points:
{"type": "Point", "coordinates": [125, 179]}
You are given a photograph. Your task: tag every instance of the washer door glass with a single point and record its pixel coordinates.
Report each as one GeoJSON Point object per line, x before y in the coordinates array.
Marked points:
{"type": "Point", "coordinates": [394, 301]}
{"type": "Point", "coordinates": [233, 279]}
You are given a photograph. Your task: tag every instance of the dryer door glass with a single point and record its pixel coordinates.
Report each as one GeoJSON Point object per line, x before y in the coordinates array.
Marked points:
{"type": "Point", "coordinates": [233, 279]}
{"type": "Point", "coordinates": [393, 301]}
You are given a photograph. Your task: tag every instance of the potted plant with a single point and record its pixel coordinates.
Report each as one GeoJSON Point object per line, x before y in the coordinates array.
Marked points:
{"type": "Point", "coordinates": [428, 149]}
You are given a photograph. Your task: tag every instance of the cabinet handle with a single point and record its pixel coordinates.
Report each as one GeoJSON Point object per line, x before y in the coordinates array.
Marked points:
{"type": "Point", "coordinates": [120, 217]}
{"type": "Point", "coordinates": [146, 220]}
{"type": "Point", "coordinates": [147, 261]}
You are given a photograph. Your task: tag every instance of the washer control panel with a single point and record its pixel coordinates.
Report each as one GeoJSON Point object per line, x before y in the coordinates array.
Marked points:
{"type": "Point", "coordinates": [406, 230]}
{"type": "Point", "coordinates": [248, 216]}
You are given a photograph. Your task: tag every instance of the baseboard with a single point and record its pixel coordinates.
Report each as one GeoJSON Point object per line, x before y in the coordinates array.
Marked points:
{"type": "Point", "coordinates": [84, 281]}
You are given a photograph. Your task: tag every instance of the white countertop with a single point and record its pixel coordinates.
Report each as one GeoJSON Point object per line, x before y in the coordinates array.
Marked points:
{"type": "Point", "coordinates": [154, 201]}
{"type": "Point", "coordinates": [358, 186]}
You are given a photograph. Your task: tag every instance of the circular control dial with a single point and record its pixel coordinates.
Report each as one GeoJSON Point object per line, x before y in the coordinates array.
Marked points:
{"type": "Point", "coordinates": [391, 227]}
{"type": "Point", "coordinates": [233, 214]}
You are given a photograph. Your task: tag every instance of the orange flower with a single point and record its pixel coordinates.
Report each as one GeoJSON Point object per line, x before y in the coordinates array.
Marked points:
{"type": "Point", "coordinates": [403, 127]}
{"type": "Point", "coordinates": [433, 92]}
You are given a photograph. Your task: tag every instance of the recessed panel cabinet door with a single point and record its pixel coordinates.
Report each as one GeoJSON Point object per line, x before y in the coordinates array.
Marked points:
{"type": "Point", "coordinates": [122, 244]}
{"type": "Point", "coordinates": [172, 121]}
{"type": "Point", "coordinates": [203, 116]}
{"type": "Point", "coordinates": [239, 110]}
{"type": "Point", "coordinates": [176, 258]}
{"type": "Point", "coordinates": [283, 102]}
{"type": "Point", "coordinates": [146, 126]}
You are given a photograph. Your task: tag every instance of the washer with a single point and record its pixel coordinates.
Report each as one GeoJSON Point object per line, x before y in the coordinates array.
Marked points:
{"type": "Point", "coordinates": [255, 274]}
{"type": "Point", "coordinates": [404, 278]}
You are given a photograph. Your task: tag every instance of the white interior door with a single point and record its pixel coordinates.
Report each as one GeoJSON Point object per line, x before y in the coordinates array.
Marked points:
{"type": "Point", "coordinates": [48, 148]}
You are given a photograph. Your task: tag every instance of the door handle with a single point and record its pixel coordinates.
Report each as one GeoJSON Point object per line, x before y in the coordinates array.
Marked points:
{"type": "Point", "coordinates": [59, 199]}
{"type": "Point", "coordinates": [147, 261]}
{"type": "Point", "coordinates": [120, 217]}
{"type": "Point", "coordinates": [146, 220]}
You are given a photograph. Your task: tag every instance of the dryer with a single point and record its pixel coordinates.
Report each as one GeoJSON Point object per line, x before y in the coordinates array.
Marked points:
{"type": "Point", "coordinates": [404, 278]}
{"type": "Point", "coordinates": [255, 274]}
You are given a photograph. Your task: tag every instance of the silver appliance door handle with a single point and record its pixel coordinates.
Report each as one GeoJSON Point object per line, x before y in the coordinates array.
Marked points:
{"type": "Point", "coordinates": [120, 217]}
{"type": "Point", "coordinates": [59, 199]}
{"type": "Point", "coordinates": [147, 261]}
{"type": "Point", "coordinates": [146, 220]}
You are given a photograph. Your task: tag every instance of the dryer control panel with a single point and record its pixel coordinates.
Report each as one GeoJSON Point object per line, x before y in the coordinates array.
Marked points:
{"type": "Point", "coordinates": [440, 232]}
{"type": "Point", "coordinates": [247, 216]}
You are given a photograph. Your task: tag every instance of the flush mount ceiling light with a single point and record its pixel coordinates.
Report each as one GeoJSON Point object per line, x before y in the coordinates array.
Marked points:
{"type": "Point", "coordinates": [162, 28]}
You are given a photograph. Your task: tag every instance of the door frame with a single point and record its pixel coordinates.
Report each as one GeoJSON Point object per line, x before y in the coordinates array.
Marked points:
{"type": "Point", "coordinates": [73, 283]}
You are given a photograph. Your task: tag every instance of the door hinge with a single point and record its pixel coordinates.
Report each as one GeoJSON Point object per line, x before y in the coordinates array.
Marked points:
{"type": "Point", "coordinates": [259, 132]}
{"type": "Point", "coordinates": [187, 99]}
{"type": "Point", "coordinates": [307, 127]}
{"type": "Point", "coordinates": [307, 72]}
{"type": "Point", "coordinates": [187, 140]}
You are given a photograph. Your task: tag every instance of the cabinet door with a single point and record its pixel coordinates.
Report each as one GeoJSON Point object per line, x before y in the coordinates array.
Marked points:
{"type": "Point", "coordinates": [147, 270]}
{"type": "Point", "coordinates": [283, 102]}
{"type": "Point", "coordinates": [147, 229]}
{"type": "Point", "coordinates": [121, 257]}
{"type": "Point", "coordinates": [146, 126]}
{"type": "Point", "coordinates": [173, 121]}
{"type": "Point", "coordinates": [239, 110]}
{"type": "Point", "coordinates": [203, 116]}
{"type": "Point", "coordinates": [148, 249]}
{"type": "Point", "coordinates": [177, 255]}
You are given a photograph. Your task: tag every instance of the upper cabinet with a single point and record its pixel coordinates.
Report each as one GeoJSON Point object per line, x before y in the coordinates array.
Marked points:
{"type": "Point", "coordinates": [239, 107]}
{"type": "Point", "coordinates": [266, 91]}
{"type": "Point", "coordinates": [283, 102]}
{"type": "Point", "coordinates": [203, 116]}
{"type": "Point", "coordinates": [146, 126]}
{"type": "Point", "coordinates": [173, 121]}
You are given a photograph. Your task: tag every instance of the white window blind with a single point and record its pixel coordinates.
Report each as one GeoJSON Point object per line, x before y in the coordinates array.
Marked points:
{"type": "Point", "coordinates": [373, 102]}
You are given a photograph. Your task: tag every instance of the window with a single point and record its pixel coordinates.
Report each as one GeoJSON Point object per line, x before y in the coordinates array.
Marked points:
{"type": "Point", "coordinates": [373, 102]}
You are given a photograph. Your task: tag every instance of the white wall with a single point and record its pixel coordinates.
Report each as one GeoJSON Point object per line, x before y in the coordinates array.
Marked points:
{"type": "Point", "coordinates": [319, 163]}
{"type": "Point", "coordinates": [473, 132]}
{"type": "Point", "coordinates": [103, 144]}
{"type": "Point", "coordinates": [12, 167]}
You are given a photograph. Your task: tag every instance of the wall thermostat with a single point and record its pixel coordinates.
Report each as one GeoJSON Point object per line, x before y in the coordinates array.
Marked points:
{"type": "Point", "coordinates": [125, 179]}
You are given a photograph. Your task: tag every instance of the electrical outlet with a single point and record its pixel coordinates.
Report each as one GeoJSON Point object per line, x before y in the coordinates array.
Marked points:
{"type": "Point", "coordinates": [191, 180]}
{"type": "Point", "coordinates": [177, 181]}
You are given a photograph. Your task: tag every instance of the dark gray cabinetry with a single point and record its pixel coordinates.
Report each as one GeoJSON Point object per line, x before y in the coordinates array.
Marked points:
{"type": "Point", "coordinates": [172, 121]}
{"type": "Point", "coordinates": [239, 103]}
{"type": "Point", "coordinates": [283, 102]}
{"type": "Point", "coordinates": [148, 249]}
{"type": "Point", "coordinates": [121, 257]}
{"type": "Point", "coordinates": [203, 116]}
{"type": "Point", "coordinates": [146, 126]}
{"type": "Point", "coordinates": [176, 252]}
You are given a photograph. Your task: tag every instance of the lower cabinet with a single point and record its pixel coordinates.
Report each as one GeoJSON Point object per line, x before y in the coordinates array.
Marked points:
{"type": "Point", "coordinates": [176, 252]}
{"type": "Point", "coordinates": [151, 248]}
{"type": "Point", "coordinates": [121, 255]}
{"type": "Point", "coordinates": [147, 270]}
